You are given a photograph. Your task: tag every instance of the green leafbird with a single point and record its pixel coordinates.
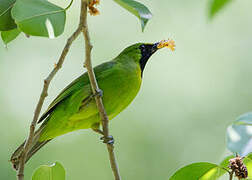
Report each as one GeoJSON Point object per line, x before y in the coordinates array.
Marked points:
{"type": "Point", "coordinates": [75, 108]}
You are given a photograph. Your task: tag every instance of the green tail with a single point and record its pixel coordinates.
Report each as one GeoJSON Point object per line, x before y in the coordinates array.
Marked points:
{"type": "Point", "coordinates": [36, 145]}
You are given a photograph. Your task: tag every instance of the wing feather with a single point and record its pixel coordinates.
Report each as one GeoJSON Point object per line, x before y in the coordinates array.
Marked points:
{"type": "Point", "coordinates": [78, 83]}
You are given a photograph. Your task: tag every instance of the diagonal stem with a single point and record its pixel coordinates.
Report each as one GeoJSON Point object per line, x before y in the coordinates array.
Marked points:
{"type": "Point", "coordinates": [231, 175]}
{"type": "Point", "coordinates": [95, 88]}
{"type": "Point", "coordinates": [47, 81]}
{"type": "Point", "coordinates": [81, 28]}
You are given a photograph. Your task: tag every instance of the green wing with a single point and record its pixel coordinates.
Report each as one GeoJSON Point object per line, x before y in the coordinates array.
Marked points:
{"type": "Point", "coordinates": [77, 84]}
{"type": "Point", "coordinates": [68, 91]}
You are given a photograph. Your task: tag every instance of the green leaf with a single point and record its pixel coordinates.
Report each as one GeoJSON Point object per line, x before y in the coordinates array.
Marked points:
{"type": "Point", "coordinates": [216, 6]}
{"type": "Point", "coordinates": [8, 36]}
{"type": "Point", "coordinates": [248, 162]}
{"type": "Point", "coordinates": [39, 18]}
{"type": "Point", "coordinates": [239, 135]}
{"type": "Point", "coordinates": [53, 172]}
{"type": "Point", "coordinates": [6, 21]}
{"type": "Point", "coordinates": [245, 119]}
{"type": "Point", "coordinates": [201, 171]}
{"type": "Point", "coordinates": [138, 9]}
{"type": "Point", "coordinates": [239, 139]}
{"type": "Point", "coordinates": [225, 161]}
{"type": "Point", "coordinates": [224, 164]}
{"type": "Point", "coordinates": [218, 171]}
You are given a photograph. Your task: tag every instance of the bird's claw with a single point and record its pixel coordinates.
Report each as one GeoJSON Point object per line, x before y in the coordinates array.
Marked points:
{"type": "Point", "coordinates": [108, 140]}
{"type": "Point", "coordinates": [98, 93]}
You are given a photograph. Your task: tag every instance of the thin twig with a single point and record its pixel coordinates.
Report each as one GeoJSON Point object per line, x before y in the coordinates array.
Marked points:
{"type": "Point", "coordinates": [81, 28]}
{"type": "Point", "coordinates": [95, 89]}
{"type": "Point", "coordinates": [231, 173]}
{"type": "Point", "coordinates": [27, 146]}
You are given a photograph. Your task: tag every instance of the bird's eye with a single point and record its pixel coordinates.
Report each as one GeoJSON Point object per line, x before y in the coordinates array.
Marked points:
{"type": "Point", "coordinates": [142, 46]}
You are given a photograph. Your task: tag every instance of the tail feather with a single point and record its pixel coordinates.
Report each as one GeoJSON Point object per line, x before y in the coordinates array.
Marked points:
{"type": "Point", "coordinates": [36, 145]}
{"type": "Point", "coordinates": [35, 148]}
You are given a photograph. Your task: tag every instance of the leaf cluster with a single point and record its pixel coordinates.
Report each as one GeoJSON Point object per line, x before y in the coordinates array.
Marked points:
{"type": "Point", "coordinates": [239, 140]}
{"type": "Point", "coordinates": [45, 19]}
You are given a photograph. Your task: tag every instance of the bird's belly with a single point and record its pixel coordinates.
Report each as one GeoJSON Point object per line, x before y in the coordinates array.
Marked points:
{"type": "Point", "coordinates": [120, 94]}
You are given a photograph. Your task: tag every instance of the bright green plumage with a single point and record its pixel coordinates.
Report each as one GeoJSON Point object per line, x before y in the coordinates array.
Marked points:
{"type": "Point", "coordinates": [120, 80]}
{"type": "Point", "coordinates": [75, 107]}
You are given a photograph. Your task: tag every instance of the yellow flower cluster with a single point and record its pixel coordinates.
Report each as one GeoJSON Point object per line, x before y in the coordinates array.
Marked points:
{"type": "Point", "coordinates": [93, 10]}
{"type": "Point", "coordinates": [167, 43]}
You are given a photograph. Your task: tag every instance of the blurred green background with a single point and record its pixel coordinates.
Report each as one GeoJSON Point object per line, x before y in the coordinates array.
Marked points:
{"type": "Point", "coordinates": [188, 97]}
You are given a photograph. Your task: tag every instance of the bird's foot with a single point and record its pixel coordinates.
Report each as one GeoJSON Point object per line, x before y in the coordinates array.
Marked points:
{"type": "Point", "coordinates": [108, 140]}
{"type": "Point", "coordinates": [97, 130]}
{"type": "Point", "coordinates": [98, 93]}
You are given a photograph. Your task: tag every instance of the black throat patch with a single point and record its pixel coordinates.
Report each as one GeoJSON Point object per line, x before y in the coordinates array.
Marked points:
{"type": "Point", "coordinates": [146, 51]}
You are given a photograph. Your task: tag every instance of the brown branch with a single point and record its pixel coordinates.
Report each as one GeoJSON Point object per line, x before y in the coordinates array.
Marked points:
{"type": "Point", "coordinates": [231, 173]}
{"type": "Point", "coordinates": [81, 28]}
{"type": "Point", "coordinates": [95, 89]}
{"type": "Point", "coordinates": [47, 81]}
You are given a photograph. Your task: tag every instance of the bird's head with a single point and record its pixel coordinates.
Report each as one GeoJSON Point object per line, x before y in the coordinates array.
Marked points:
{"type": "Point", "coordinates": [141, 52]}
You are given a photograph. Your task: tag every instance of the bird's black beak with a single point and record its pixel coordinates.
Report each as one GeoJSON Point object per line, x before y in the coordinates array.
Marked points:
{"type": "Point", "coordinates": [154, 48]}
